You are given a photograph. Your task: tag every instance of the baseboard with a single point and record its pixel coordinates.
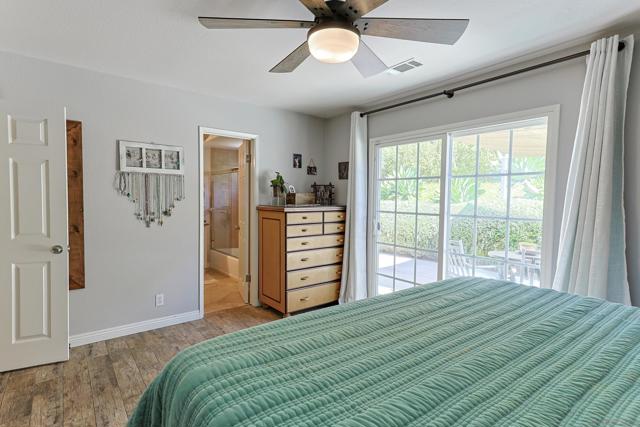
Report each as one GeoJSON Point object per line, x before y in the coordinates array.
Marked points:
{"type": "Point", "coordinates": [132, 328]}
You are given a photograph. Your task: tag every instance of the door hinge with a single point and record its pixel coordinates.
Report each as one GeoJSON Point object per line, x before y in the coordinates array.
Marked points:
{"type": "Point", "coordinates": [247, 278]}
{"type": "Point", "coordinates": [247, 158]}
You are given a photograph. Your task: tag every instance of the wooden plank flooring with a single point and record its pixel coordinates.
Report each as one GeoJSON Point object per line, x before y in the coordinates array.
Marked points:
{"type": "Point", "coordinates": [102, 382]}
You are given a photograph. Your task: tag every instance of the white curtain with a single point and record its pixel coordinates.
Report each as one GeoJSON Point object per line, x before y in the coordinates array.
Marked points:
{"type": "Point", "coordinates": [354, 266]}
{"type": "Point", "coordinates": [591, 257]}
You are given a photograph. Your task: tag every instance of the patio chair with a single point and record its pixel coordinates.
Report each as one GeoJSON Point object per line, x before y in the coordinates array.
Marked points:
{"type": "Point", "coordinates": [531, 259]}
{"type": "Point", "coordinates": [459, 265]}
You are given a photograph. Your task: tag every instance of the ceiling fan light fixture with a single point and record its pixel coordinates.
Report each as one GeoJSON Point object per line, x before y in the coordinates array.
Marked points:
{"type": "Point", "coordinates": [333, 45]}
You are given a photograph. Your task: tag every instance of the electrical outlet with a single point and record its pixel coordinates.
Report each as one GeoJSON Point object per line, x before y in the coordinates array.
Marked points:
{"type": "Point", "coordinates": [159, 300]}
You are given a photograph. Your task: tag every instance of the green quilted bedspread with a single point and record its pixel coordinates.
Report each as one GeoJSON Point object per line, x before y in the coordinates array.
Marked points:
{"type": "Point", "coordinates": [458, 352]}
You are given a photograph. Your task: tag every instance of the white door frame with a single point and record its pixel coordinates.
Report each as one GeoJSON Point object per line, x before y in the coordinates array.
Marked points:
{"type": "Point", "coordinates": [253, 203]}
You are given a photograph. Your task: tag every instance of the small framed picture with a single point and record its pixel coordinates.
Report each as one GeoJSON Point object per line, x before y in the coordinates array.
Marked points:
{"type": "Point", "coordinates": [343, 170]}
{"type": "Point", "coordinates": [150, 158]}
{"type": "Point", "coordinates": [312, 169]}
{"type": "Point", "coordinates": [172, 160]}
{"type": "Point", "coordinates": [153, 158]}
{"type": "Point", "coordinates": [297, 161]}
{"type": "Point", "coordinates": [133, 157]}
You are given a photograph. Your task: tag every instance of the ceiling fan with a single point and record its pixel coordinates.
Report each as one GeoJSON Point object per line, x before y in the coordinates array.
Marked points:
{"type": "Point", "coordinates": [335, 35]}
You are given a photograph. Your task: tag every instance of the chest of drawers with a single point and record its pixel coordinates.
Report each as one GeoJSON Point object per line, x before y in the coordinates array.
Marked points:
{"type": "Point", "coordinates": [300, 256]}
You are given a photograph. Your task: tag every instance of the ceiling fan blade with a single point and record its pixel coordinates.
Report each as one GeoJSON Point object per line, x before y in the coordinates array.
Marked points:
{"type": "Point", "coordinates": [354, 9]}
{"type": "Point", "coordinates": [367, 62]}
{"type": "Point", "coordinates": [233, 23]}
{"type": "Point", "coordinates": [292, 61]}
{"type": "Point", "coordinates": [318, 7]}
{"type": "Point", "coordinates": [442, 31]}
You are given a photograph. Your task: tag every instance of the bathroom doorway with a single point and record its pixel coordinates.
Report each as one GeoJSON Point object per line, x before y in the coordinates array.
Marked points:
{"type": "Point", "coordinates": [226, 200]}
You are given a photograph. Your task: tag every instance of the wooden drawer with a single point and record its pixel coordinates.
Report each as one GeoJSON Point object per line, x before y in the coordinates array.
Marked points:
{"type": "Point", "coordinates": [334, 216]}
{"type": "Point", "coordinates": [304, 218]}
{"type": "Point", "coordinates": [314, 242]}
{"type": "Point", "coordinates": [312, 296]}
{"type": "Point", "coordinates": [333, 228]}
{"type": "Point", "coordinates": [314, 258]}
{"type": "Point", "coordinates": [304, 230]}
{"type": "Point", "coordinates": [313, 276]}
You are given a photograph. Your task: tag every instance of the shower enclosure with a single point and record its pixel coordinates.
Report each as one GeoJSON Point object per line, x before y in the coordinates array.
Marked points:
{"type": "Point", "coordinates": [225, 219]}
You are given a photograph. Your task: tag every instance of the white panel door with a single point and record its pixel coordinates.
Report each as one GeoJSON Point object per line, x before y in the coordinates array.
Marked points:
{"type": "Point", "coordinates": [34, 325]}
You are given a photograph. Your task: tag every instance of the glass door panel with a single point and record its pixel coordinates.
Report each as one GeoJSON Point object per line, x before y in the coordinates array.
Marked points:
{"type": "Point", "coordinates": [407, 213]}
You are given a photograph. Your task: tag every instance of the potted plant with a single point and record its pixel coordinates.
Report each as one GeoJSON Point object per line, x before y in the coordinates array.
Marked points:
{"type": "Point", "coordinates": [278, 185]}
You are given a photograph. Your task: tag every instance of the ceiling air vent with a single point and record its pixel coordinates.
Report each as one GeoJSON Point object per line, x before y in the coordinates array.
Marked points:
{"type": "Point", "coordinates": [404, 66]}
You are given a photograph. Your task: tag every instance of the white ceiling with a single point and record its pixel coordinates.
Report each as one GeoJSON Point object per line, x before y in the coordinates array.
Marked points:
{"type": "Point", "coordinates": [161, 41]}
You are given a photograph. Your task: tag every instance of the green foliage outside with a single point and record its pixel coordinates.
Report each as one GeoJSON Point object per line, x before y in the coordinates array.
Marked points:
{"type": "Point", "coordinates": [527, 195]}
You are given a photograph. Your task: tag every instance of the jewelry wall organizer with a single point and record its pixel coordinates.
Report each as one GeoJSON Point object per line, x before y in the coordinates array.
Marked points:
{"type": "Point", "coordinates": [151, 176]}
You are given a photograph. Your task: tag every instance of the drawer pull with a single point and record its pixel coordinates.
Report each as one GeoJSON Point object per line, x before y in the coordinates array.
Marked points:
{"type": "Point", "coordinates": [304, 278]}
{"type": "Point", "coordinates": [304, 259]}
{"type": "Point", "coordinates": [304, 299]}
{"type": "Point", "coordinates": [340, 228]}
{"type": "Point", "coordinates": [303, 230]}
{"type": "Point", "coordinates": [340, 240]}
{"type": "Point", "coordinates": [340, 216]}
{"type": "Point", "coordinates": [304, 243]}
{"type": "Point", "coordinates": [339, 255]}
{"type": "Point", "coordinates": [304, 217]}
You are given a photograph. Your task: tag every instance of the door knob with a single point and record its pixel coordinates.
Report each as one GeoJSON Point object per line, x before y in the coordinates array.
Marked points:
{"type": "Point", "coordinates": [57, 249]}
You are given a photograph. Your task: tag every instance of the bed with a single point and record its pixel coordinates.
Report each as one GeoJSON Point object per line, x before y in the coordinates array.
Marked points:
{"type": "Point", "coordinates": [463, 351]}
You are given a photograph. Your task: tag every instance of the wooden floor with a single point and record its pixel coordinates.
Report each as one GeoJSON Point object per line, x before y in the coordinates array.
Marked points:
{"type": "Point", "coordinates": [101, 383]}
{"type": "Point", "coordinates": [221, 292]}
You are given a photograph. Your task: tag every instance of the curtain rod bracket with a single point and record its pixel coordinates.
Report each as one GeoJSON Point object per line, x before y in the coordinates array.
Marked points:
{"type": "Point", "coordinates": [448, 93]}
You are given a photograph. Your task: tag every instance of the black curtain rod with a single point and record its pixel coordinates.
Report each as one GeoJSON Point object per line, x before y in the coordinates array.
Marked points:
{"type": "Point", "coordinates": [449, 93]}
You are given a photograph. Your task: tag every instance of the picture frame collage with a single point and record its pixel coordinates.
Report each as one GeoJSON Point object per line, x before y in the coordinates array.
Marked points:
{"type": "Point", "coordinates": [150, 158]}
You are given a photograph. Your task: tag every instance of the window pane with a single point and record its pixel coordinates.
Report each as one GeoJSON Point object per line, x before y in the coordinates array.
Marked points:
{"type": "Point", "coordinates": [428, 232]}
{"type": "Point", "coordinates": [385, 285]}
{"type": "Point", "coordinates": [387, 196]}
{"type": "Point", "coordinates": [405, 260]}
{"type": "Point", "coordinates": [525, 234]}
{"type": "Point", "coordinates": [429, 196]}
{"type": "Point", "coordinates": [491, 238]}
{"type": "Point", "coordinates": [400, 285]}
{"type": "Point", "coordinates": [387, 162]}
{"type": "Point", "coordinates": [385, 259]}
{"type": "Point", "coordinates": [494, 152]}
{"type": "Point", "coordinates": [463, 155]}
{"type": "Point", "coordinates": [387, 230]}
{"type": "Point", "coordinates": [430, 156]}
{"type": "Point", "coordinates": [426, 267]}
{"type": "Point", "coordinates": [529, 148]}
{"type": "Point", "coordinates": [462, 196]}
{"type": "Point", "coordinates": [407, 160]}
{"type": "Point", "coordinates": [489, 268]}
{"type": "Point", "coordinates": [406, 192]}
{"type": "Point", "coordinates": [527, 196]}
{"type": "Point", "coordinates": [458, 265]}
{"type": "Point", "coordinates": [461, 236]}
{"type": "Point", "coordinates": [406, 230]}
{"type": "Point", "coordinates": [492, 196]}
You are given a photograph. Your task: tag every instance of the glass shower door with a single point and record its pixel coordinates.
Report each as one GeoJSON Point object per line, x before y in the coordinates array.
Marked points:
{"type": "Point", "coordinates": [225, 225]}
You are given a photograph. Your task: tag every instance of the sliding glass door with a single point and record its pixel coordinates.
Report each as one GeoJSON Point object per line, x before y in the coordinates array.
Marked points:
{"type": "Point", "coordinates": [467, 202]}
{"type": "Point", "coordinates": [407, 211]}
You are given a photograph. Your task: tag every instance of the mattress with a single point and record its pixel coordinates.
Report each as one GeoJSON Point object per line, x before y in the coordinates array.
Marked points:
{"type": "Point", "coordinates": [463, 351]}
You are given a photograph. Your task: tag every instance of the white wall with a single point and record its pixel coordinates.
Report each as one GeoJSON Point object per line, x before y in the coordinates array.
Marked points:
{"type": "Point", "coordinates": [126, 263]}
{"type": "Point", "coordinates": [336, 134]}
{"type": "Point", "coordinates": [560, 84]}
